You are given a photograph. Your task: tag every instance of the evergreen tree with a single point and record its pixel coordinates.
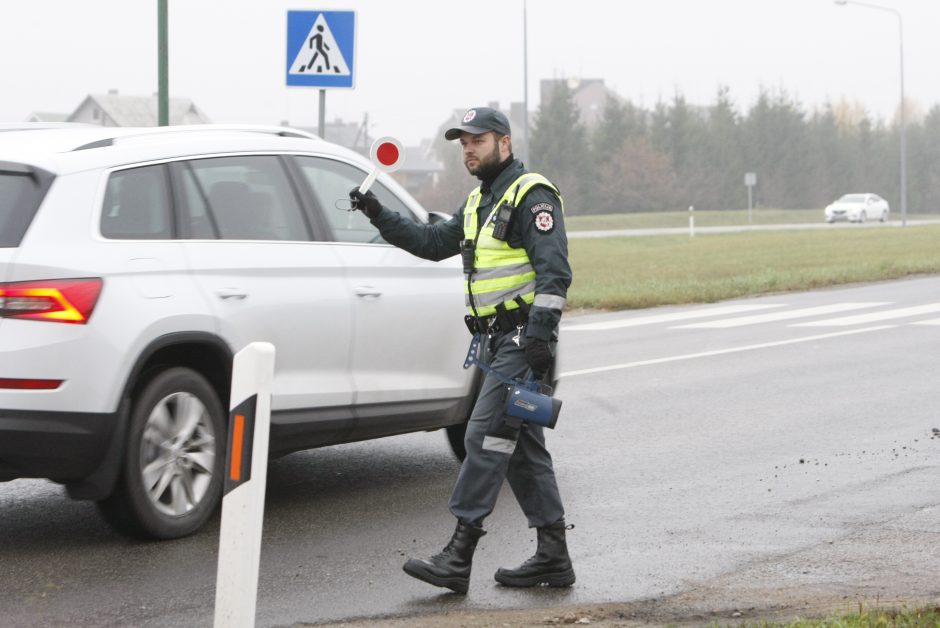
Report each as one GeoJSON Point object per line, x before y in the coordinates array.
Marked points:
{"type": "Point", "coordinates": [719, 179]}
{"type": "Point", "coordinates": [560, 150]}
{"type": "Point", "coordinates": [923, 158]}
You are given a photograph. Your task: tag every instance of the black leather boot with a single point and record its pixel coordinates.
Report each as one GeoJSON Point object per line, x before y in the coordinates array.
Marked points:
{"type": "Point", "coordinates": [550, 566]}
{"type": "Point", "coordinates": [450, 568]}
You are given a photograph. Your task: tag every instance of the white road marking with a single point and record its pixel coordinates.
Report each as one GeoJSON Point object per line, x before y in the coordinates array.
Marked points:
{"type": "Point", "coordinates": [932, 321]}
{"type": "Point", "coordinates": [862, 319]}
{"type": "Point", "coordinates": [780, 316]}
{"type": "Point", "coordinates": [706, 354]}
{"type": "Point", "coordinates": [667, 318]}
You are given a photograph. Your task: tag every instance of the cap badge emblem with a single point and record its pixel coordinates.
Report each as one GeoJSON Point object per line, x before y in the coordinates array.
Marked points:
{"type": "Point", "coordinates": [470, 116]}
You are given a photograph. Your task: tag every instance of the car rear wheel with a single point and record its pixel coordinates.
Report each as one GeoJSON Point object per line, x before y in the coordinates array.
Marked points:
{"type": "Point", "coordinates": [171, 479]}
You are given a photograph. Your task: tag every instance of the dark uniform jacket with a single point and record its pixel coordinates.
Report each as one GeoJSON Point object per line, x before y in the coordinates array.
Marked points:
{"type": "Point", "coordinates": [537, 225]}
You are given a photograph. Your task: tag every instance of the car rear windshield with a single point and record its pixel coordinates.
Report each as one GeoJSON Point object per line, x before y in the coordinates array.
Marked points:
{"type": "Point", "coordinates": [22, 189]}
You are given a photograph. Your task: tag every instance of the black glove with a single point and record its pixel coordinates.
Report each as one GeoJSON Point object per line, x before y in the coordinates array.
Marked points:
{"type": "Point", "coordinates": [538, 356]}
{"type": "Point", "coordinates": [367, 203]}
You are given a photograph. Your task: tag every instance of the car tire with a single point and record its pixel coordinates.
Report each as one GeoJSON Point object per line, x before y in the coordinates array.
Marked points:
{"type": "Point", "coordinates": [171, 479]}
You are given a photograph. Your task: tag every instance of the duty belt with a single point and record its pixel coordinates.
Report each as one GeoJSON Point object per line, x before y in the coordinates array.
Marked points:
{"type": "Point", "coordinates": [503, 321]}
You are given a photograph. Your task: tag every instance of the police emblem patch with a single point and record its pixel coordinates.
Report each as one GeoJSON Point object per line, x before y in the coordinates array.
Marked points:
{"type": "Point", "coordinates": [542, 207]}
{"type": "Point", "coordinates": [470, 115]}
{"type": "Point", "coordinates": [544, 221]}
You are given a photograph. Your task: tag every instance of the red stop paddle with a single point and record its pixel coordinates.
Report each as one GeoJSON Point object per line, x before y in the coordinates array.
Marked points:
{"type": "Point", "coordinates": [387, 155]}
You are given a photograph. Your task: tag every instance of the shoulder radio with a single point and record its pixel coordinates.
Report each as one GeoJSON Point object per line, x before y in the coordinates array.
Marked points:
{"type": "Point", "coordinates": [502, 220]}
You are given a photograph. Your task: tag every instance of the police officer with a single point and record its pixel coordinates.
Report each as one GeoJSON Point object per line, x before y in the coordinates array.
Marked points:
{"type": "Point", "coordinates": [511, 234]}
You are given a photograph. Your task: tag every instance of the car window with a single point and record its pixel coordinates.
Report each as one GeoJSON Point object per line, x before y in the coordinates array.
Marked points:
{"type": "Point", "coordinates": [21, 192]}
{"type": "Point", "coordinates": [137, 205]}
{"type": "Point", "coordinates": [241, 198]}
{"type": "Point", "coordinates": [853, 198]}
{"type": "Point", "coordinates": [330, 182]}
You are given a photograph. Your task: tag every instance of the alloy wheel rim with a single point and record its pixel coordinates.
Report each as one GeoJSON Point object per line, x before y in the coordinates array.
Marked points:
{"type": "Point", "coordinates": [177, 454]}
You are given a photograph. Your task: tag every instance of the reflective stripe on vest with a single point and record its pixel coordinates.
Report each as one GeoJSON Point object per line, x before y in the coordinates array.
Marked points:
{"type": "Point", "coordinates": [501, 272]}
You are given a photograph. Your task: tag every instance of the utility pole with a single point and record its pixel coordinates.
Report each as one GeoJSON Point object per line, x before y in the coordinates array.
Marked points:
{"type": "Point", "coordinates": [163, 82]}
{"type": "Point", "coordinates": [525, 83]}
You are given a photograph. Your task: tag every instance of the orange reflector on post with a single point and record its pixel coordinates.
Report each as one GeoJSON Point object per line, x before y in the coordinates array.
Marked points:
{"type": "Point", "coordinates": [238, 435]}
{"type": "Point", "coordinates": [241, 437]}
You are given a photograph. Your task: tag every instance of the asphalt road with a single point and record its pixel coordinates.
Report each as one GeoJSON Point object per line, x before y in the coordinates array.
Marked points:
{"type": "Point", "coordinates": [744, 447]}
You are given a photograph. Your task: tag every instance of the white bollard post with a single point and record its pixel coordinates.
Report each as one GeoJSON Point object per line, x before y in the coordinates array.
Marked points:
{"type": "Point", "coordinates": [246, 471]}
{"type": "Point", "coordinates": [691, 221]}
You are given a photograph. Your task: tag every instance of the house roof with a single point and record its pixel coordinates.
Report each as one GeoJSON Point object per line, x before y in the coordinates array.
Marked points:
{"type": "Point", "coordinates": [417, 159]}
{"type": "Point", "coordinates": [141, 110]}
{"type": "Point", "coordinates": [47, 116]}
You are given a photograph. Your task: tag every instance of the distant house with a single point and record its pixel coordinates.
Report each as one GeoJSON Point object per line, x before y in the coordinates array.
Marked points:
{"type": "Point", "coordinates": [352, 135]}
{"type": "Point", "coordinates": [590, 96]}
{"type": "Point", "coordinates": [417, 173]}
{"type": "Point", "coordinates": [113, 109]}
{"type": "Point", "coordinates": [47, 116]}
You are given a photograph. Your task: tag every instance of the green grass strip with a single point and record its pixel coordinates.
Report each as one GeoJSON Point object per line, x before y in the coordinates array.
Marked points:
{"type": "Point", "coordinates": [640, 272]}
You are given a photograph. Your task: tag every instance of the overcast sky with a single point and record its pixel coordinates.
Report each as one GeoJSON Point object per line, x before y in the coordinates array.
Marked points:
{"type": "Point", "coordinates": [416, 60]}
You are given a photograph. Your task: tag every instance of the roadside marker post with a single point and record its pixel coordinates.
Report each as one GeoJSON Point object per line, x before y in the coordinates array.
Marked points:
{"type": "Point", "coordinates": [691, 221]}
{"type": "Point", "coordinates": [387, 155]}
{"type": "Point", "coordinates": [246, 470]}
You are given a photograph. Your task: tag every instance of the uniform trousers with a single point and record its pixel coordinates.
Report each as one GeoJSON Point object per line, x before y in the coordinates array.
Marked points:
{"type": "Point", "coordinates": [496, 451]}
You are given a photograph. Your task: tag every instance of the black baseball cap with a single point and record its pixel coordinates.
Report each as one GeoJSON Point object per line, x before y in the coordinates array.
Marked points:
{"type": "Point", "coordinates": [480, 120]}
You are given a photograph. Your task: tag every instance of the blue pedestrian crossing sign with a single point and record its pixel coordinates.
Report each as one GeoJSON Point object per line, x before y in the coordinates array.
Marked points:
{"type": "Point", "coordinates": [321, 48]}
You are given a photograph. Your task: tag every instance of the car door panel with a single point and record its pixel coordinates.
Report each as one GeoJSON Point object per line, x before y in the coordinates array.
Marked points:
{"type": "Point", "coordinates": [408, 340]}
{"type": "Point", "coordinates": [264, 278]}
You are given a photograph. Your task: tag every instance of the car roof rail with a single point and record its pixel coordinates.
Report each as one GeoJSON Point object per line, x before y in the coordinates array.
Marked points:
{"type": "Point", "coordinates": [151, 132]}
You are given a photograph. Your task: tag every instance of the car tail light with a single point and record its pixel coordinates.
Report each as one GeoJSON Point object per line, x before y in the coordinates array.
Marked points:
{"type": "Point", "coordinates": [56, 300]}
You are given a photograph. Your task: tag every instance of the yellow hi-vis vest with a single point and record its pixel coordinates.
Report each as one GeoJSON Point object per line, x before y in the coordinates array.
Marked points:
{"type": "Point", "coordinates": [501, 272]}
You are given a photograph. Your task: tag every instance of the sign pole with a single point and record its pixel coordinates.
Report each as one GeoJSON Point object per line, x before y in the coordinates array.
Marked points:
{"type": "Point", "coordinates": [750, 180]}
{"type": "Point", "coordinates": [322, 122]}
{"type": "Point", "coordinates": [750, 202]}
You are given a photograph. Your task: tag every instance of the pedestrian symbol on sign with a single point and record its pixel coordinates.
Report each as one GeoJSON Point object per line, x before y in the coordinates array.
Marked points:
{"type": "Point", "coordinates": [320, 54]}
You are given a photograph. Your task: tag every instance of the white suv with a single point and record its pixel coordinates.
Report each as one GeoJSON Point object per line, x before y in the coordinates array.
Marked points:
{"type": "Point", "coordinates": [135, 262]}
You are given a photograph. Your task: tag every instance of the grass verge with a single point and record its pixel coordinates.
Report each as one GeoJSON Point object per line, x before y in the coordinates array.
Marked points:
{"type": "Point", "coordinates": [918, 618]}
{"type": "Point", "coordinates": [627, 273]}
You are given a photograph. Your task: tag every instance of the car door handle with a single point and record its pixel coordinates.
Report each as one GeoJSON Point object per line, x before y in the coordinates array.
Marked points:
{"type": "Point", "coordinates": [367, 292]}
{"type": "Point", "coordinates": [231, 293]}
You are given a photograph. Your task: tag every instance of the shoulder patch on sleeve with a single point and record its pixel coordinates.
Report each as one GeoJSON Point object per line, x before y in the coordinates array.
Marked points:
{"type": "Point", "coordinates": [544, 222]}
{"type": "Point", "coordinates": [542, 207]}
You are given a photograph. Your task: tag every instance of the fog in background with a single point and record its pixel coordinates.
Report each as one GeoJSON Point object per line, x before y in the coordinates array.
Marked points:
{"type": "Point", "coordinates": [416, 60]}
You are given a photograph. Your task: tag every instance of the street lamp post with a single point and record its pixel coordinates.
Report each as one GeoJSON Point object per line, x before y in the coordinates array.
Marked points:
{"type": "Point", "coordinates": [897, 14]}
{"type": "Point", "coordinates": [525, 84]}
{"type": "Point", "coordinates": [163, 82]}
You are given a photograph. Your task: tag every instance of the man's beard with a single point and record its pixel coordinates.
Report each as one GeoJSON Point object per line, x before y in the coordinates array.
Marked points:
{"type": "Point", "coordinates": [486, 165]}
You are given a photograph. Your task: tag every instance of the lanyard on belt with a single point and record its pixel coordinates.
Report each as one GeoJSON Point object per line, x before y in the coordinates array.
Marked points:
{"type": "Point", "coordinates": [473, 358]}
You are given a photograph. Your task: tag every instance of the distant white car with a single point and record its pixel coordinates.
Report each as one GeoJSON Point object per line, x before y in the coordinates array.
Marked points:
{"type": "Point", "coordinates": [858, 208]}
